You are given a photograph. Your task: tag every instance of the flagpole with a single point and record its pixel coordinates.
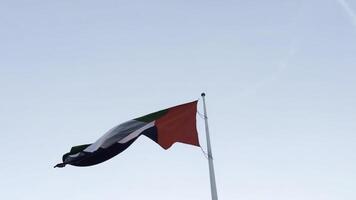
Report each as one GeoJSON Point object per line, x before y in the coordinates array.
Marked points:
{"type": "Point", "coordinates": [214, 193]}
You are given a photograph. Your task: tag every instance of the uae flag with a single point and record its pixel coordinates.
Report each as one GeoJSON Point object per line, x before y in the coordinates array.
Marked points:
{"type": "Point", "coordinates": [165, 127]}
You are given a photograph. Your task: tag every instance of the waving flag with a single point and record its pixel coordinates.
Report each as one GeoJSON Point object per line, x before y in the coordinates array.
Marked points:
{"type": "Point", "coordinates": [165, 127]}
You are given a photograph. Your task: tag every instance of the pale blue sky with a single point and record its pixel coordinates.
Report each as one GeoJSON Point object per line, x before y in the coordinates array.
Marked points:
{"type": "Point", "coordinates": [279, 77]}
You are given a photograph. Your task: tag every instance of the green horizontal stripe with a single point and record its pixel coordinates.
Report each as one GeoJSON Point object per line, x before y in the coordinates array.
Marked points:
{"type": "Point", "coordinates": [75, 150]}
{"type": "Point", "coordinates": [153, 116]}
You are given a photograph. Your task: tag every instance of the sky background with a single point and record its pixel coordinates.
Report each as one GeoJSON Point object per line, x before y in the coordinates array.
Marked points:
{"type": "Point", "coordinates": [280, 78]}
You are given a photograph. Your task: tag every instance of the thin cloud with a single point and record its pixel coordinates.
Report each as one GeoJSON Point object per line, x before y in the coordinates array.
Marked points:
{"type": "Point", "coordinates": [350, 12]}
{"type": "Point", "coordinates": [284, 62]}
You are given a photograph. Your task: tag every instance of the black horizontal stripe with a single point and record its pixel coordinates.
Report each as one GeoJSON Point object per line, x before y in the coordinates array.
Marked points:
{"type": "Point", "coordinates": [101, 155]}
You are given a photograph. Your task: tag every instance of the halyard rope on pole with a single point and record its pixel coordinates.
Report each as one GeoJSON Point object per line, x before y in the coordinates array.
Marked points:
{"type": "Point", "coordinates": [214, 194]}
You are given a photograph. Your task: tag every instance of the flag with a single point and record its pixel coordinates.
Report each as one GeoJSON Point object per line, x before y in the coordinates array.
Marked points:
{"type": "Point", "coordinates": [165, 127]}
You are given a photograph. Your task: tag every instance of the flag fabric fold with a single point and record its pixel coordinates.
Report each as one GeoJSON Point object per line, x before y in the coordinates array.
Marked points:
{"type": "Point", "coordinates": [165, 127]}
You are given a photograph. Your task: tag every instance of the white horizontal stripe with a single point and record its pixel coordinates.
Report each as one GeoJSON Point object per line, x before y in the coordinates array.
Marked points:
{"type": "Point", "coordinates": [136, 133]}
{"type": "Point", "coordinates": [115, 134]}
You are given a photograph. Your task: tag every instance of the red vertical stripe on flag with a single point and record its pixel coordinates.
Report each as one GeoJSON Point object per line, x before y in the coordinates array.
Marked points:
{"type": "Point", "coordinates": [178, 125]}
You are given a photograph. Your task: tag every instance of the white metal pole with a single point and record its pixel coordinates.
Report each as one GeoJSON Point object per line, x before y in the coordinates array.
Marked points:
{"type": "Point", "coordinates": [214, 194]}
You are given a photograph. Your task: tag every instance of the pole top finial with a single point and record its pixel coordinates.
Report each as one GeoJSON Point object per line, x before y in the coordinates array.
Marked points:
{"type": "Point", "coordinates": [203, 94]}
